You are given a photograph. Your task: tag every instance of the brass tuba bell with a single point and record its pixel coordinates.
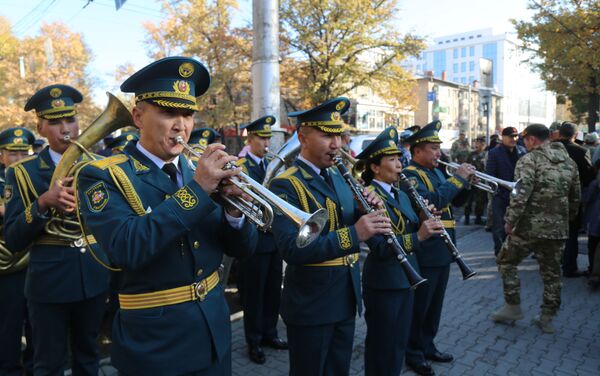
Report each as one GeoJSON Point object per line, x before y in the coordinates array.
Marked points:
{"type": "Point", "coordinates": [115, 116]}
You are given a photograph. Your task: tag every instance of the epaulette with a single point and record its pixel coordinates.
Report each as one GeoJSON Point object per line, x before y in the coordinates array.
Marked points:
{"type": "Point", "coordinates": [26, 159]}
{"type": "Point", "coordinates": [287, 173]}
{"type": "Point", "coordinates": [103, 164]}
{"type": "Point", "coordinates": [410, 168]}
{"type": "Point", "coordinates": [240, 162]}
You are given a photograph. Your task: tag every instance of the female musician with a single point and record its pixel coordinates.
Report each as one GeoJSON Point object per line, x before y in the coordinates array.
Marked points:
{"type": "Point", "coordinates": [386, 291]}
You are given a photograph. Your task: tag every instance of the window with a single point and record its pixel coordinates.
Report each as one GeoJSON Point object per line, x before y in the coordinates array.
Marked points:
{"type": "Point", "coordinates": [418, 67]}
{"type": "Point", "coordinates": [455, 53]}
{"type": "Point", "coordinates": [471, 79]}
{"type": "Point", "coordinates": [472, 51]}
{"type": "Point", "coordinates": [490, 52]}
{"type": "Point", "coordinates": [463, 67]}
{"type": "Point", "coordinates": [463, 80]}
{"type": "Point", "coordinates": [471, 66]}
{"type": "Point", "coordinates": [463, 52]}
{"type": "Point", "coordinates": [455, 68]}
{"type": "Point", "coordinates": [439, 63]}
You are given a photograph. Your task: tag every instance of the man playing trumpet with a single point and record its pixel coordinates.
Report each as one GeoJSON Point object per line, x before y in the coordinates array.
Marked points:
{"type": "Point", "coordinates": [154, 217]}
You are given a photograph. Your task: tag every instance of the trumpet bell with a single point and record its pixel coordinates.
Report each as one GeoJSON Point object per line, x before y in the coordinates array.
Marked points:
{"type": "Point", "coordinates": [311, 227]}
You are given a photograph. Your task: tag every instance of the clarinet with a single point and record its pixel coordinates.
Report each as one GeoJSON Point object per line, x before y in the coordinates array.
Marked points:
{"type": "Point", "coordinates": [414, 279]}
{"type": "Point", "coordinates": [465, 269]}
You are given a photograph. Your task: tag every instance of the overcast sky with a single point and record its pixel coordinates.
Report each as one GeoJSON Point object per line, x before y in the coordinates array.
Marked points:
{"type": "Point", "coordinates": [116, 37]}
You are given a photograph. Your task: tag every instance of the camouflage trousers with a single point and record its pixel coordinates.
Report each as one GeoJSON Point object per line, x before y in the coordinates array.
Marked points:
{"type": "Point", "coordinates": [547, 252]}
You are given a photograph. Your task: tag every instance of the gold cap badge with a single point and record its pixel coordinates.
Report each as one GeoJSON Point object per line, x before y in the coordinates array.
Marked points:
{"type": "Point", "coordinates": [55, 93]}
{"type": "Point", "coordinates": [18, 132]}
{"type": "Point", "coordinates": [186, 70]}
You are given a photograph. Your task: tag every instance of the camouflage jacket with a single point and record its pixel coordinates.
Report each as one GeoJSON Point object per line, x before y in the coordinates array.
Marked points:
{"type": "Point", "coordinates": [549, 195]}
{"type": "Point", "coordinates": [477, 159]}
{"type": "Point", "coordinates": [459, 152]}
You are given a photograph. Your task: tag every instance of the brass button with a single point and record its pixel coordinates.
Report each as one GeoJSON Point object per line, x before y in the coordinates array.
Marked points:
{"type": "Point", "coordinates": [199, 272]}
{"type": "Point", "coordinates": [82, 250]}
{"type": "Point", "coordinates": [167, 196]}
{"type": "Point", "coordinates": [196, 244]}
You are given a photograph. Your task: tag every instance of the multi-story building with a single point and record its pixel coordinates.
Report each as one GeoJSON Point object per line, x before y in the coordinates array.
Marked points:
{"type": "Point", "coordinates": [458, 107]}
{"type": "Point", "coordinates": [459, 58]}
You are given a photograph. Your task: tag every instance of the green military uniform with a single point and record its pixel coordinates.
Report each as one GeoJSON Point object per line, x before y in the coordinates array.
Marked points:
{"type": "Point", "coordinates": [539, 214]}
{"type": "Point", "coordinates": [13, 313]}
{"type": "Point", "coordinates": [459, 152]}
{"type": "Point", "coordinates": [476, 196]}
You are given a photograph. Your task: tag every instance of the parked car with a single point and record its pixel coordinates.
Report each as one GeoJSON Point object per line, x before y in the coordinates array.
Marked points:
{"type": "Point", "coordinates": [359, 142]}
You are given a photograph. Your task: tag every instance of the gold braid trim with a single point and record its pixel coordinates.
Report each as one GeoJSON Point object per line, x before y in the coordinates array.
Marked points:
{"type": "Point", "coordinates": [399, 227]}
{"type": "Point", "coordinates": [55, 110]}
{"type": "Point", "coordinates": [390, 150]}
{"type": "Point", "coordinates": [59, 116]}
{"type": "Point", "coordinates": [408, 243]}
{"type": "Point", "coordinates": [165, 94]}
{"type": "Point", "coordinates": [25, 185]}
{"type": "Point", "coordinates": [301, 192]}
{"type": "Point", "coordinates": [126, 188]}
{"type": "Point", "coordinates": [165, 103]}
{"type": "Point", "coordinates": [425, 179]}
{"type": "Point", "coordinates": [28, 215]}
{"type": "Point", "coordinates": [332, 211]}
{"type": "Point", "coordinates": [455, 182]}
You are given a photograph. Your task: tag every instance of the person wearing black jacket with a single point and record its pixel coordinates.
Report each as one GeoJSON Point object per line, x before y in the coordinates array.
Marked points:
{"type": "Point", "coordinates": [567, 132]}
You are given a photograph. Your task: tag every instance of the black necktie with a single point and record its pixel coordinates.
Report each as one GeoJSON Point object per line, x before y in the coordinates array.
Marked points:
{"type": "Point", "coordinates": [325, 174]}
{"type": "Point", "coordinates": [171, 170]}
{"type": "Point", "coordinates": [262, 166]}
{"type": "Point", "coordinates": [395, 194]}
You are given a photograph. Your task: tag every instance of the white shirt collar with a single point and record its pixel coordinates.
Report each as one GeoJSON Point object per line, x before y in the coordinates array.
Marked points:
{"type": "Point", "coordinates": [54, 156]}
{"type": "Point", "coordinates": [310, 164]}
{"type": "Point", "coordinates": [386, 187]}
{"type": "Point", "coordinates": [157, 161]}
{"type": "Point", "coordinates": [256, 159]}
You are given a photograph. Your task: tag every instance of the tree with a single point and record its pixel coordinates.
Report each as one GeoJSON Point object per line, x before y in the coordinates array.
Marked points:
{"type": "Point", "coordinates": [344, 45]}
{"type": "Point", "coordinates": [56, 55]}
{"type": "Point", "coordinates": [565, 38]}
{"type": "Point", "coordinates": [203, 28]}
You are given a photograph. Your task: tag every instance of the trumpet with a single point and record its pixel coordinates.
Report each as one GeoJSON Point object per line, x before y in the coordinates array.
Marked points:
{"type": "Point", "coordinates": [486, 182]}
{"type": "Point", "coordinates": [413, 277]}
{"type": "Point", "coordinates": [261, 212]}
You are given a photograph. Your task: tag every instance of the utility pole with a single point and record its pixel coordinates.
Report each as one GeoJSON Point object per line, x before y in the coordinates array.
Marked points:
{"type": "Point", "coordinates": [265, 65]}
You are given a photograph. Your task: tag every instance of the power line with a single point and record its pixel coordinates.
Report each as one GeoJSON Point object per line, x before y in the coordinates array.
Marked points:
{"type": "Point", "coordinates": [586, 44]}
{"type": "Point", "coordinates": [22, 19]}
{"type": "Point", "coordinates": [41, 15]}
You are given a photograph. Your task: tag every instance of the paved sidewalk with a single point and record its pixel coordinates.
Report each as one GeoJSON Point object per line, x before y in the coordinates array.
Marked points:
{"type": "Point", "coordinates": [481, 347]}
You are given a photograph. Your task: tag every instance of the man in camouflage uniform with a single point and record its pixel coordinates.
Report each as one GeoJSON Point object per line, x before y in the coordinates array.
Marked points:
{"type": "Point", "coordinates": [547, 175]}
{"type": "Point", "coordinates": [477, 196]}
{"type": "Point", "coordinates": [459, 152]}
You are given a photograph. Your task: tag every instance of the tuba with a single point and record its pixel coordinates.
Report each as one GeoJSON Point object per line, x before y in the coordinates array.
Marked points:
{"type": "Point", "coordinates": [12, 262]}
{"type": "Point", "coordinates": [282, 159]}
{"type": "Point", "coordinates": [115, 116]}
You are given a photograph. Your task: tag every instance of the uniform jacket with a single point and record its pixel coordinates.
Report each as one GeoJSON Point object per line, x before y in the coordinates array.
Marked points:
{"type": "Point", "coordinates": [316, 295]}
{"type": "Point", "coordinates": [549, 194]}
{"type": "Point", "coordinates": [265, 244]}
{"type": "Point", "coordinates": [382, 271]}
{"type": "Point", "coordinates": [500, 165]}
{"type": "Point", "coordinates": [56, 273]}
{"type": "Point", "coordinates": [432, 185]}
{"type": "Point", "coordinates": [583, 159]}
{"type": "Point", "coordinates": [162, 237]}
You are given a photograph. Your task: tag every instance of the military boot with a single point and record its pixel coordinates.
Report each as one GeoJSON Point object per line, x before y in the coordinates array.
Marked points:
{"type": "Point", "coordinates": [508, 314]}
{"type": "Point", "coordinates": [466, 220]}
{"type": "Point", "coordinates": [545, 323]}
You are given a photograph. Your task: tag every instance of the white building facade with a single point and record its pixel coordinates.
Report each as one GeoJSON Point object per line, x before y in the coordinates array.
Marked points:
{"type": "Point", "coordinates": [456, 58]}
